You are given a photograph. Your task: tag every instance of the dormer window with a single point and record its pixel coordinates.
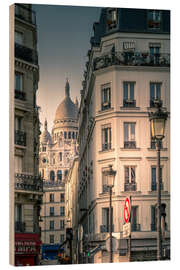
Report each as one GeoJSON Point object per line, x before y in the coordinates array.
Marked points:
{"type": "Point", "coordinates": [111, 18]}
{"type": "Point", "coordinates": [154, 19]}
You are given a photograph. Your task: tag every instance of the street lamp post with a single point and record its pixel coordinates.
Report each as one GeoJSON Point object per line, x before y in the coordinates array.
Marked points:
{"type": "Point", "coordinates": [157, 122]}
{"type": "Point", "coordinates": [109, 179]}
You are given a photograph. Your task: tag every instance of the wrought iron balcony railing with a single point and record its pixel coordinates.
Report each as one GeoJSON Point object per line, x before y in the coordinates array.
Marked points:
{"type": "Point", "coordinates": [20, 226]}
{"type": "Point", "coordinates": [131, 59]}
{"type": "Point", "coordinates": [130, 144]}
{"type": "Point", "coordinates": [106, 146]}
{"type": "Point", "coordinates": [26, 54]}
{"type": "Point", "coordinates": [154, 186]}
{"type": "Point", "coordinates": [28, 182]}
{"type": "Point", "coordinates": [20, 138]}
{"type": "Point", "coordinates": [105, 106]}
{"type": "Point", "coordinates": [106, 228]}
{"type": "Point", "coordinates": [130, 187]}
{"type": "Point", "coordinates": [153, 144]}
{"type": "Point", "coordinates": [20, 95]}
{"type": "Point", "coordinates": [135, 227]}
{"type": "Point", "coordinates": [25, 14]}
{"type": "Point", "coordinates": [154, 102]}
{"type": "Point", "coordinates": [129, 103]}
{"type": "Point", "coordinates": [53, 183]}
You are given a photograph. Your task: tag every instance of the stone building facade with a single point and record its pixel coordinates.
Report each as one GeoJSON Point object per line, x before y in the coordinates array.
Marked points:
{"type": "Point", "coordinates": [127, 73]}
{"type": "Point", "coordinates": [57, 152]}
{"type": "Point", "coordinates": [27, 183]}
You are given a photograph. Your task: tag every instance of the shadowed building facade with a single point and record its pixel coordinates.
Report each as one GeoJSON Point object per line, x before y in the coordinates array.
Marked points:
{"type": "Point", "coordinates": [27, 183]}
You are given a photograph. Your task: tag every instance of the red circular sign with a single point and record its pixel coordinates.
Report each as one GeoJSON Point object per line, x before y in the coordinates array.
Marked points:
{"type": "Point", "coordinates": [127, 210]}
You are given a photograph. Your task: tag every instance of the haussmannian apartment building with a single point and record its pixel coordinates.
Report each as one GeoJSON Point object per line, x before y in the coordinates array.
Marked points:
{"type": "Point", "coordinates": [128, 71]}
{"type": "Point", "coordinates": [28, 187]}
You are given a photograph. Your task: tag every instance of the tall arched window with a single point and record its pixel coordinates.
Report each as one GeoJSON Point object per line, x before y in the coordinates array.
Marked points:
{"type": "Point", "coordinates": [59, 175]}
{"type": "Point", "coordinates": [65, 135]}
{"type": "Point", "coordinates": [69, 135]}
{"type": "Point", "coordinates": [52, 176]}
{"type": "Point", "coordinates": [73, 135]}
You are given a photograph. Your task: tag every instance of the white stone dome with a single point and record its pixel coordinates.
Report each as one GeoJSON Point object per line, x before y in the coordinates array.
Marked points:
{"type": "Point", "coordinates": [66, 110]}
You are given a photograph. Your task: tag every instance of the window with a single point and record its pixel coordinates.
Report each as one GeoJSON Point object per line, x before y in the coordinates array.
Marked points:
{"type": "Point", "coordinates": [154, 19]}
{"type": "Point", "coordinates": [69, 135]}
{"type": "Point", "coordinates": [153, 179]}
{"type": "Point", "coordinates": [106, 137]}
{"type": "Point", "coordinates": [154, 53]}
{"type": "Point", "coordinates": [128, 94]}
{"type": "Point", "coordinates": [73, 135]}
{"type": "Point", "coordinates": [62, 224]}
{"type": "Point", "coordinates": [66, 172]}
{"type": "Point", "coordinates": [62, 197]}
{"type": "Point", "coordinates": [18, 212]}
{"type": "Point", "coordinates": [65, 135]}
{"type": "Point", "coordinates": [44, 149]}
{"type": "Point", "coordinates": [51, 197]}
{"type": "Point", "coordinates": [153, 218]}
{"type": "Point", "coordinates": [51, 239]}
{"type": "Point", "coordinates": [105, 97]}
{"type": "Point", "coordinates": [155, 93]}
{"type": "Point", "coordinates": [129, 135]}
{"type": "Point", "coordinates": [130, 178]}
{"type": "Point", "coordinates": [59, 175]}
{"type": "Point", "coordinates": [18, 81]}
{"type": "Point", "coordinates": [51, 225]}
{"type": "Point", "coordinates": [134, 225]}
{"type": "Point", "coordinates": [62, 211]}
{"type": "Point", "coordinates": [104, 186]}
{"type": "Point", "coordinates": [111, 18]}
{"type": "Point", "coordinates": [105, 220]}
{"type": "Point", "coordinates": [51, 211]}
{"type": "Point", "coordinates": [19, 37]}
{"type": "Point", "coordinates": [18, 122]}
{"type": "Point", "coordinates": [61, 238]}
{"type": "Point", "coordinates": [52, 176]}
{"type": "Point", "coordinates": [60, 156]}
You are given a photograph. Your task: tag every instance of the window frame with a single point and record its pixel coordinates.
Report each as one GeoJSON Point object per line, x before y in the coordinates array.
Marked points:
{"type": "Point", "coordinates": [130, 142]}
{"type": "Point", "coordinates": [105, 96]}
{"type": "Point", "coordinates": [106, 137]}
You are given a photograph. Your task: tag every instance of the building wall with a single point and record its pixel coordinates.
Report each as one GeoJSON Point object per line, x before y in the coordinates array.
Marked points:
{"type": "Point", "coordinates": [101, 72]}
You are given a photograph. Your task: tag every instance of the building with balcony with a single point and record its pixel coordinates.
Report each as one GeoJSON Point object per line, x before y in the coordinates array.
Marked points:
{"type": "Point", "coordinates": [28, 186]}
{"type": "Point", "coordinates": [57, 152]}
{"type": "Point", "coordinates": [126, 74]}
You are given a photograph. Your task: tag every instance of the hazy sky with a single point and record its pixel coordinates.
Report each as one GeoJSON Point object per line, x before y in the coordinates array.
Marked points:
{"type": "Point", "coordinates": [63, 41]}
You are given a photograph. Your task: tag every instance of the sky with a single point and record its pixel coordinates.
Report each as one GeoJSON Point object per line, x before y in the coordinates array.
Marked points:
{"type": "Point", "coordinates": [64, 34]}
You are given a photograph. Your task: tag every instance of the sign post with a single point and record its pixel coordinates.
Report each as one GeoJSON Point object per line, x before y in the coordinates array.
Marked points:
{"type": "Point", "coordinates": [127, 226]}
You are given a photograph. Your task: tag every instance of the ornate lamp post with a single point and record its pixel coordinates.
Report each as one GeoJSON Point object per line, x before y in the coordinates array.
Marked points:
{"type": "Point", "coordinates": [109, 182]}
{"type": "Point", "coordinates": [157, 122]}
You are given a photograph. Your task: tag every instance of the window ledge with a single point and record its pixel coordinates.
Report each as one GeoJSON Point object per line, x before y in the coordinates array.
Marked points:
{"type": "Point", "coordinates": [107, 110]}
{"type": "Point", "coordinates": [134, 192]}
{"type": "Point", "coordinates": [105, 194]}
{"type": "Point", "coordinates": [155, 192]}
{"type": "Point", "coordinates": [130, 149]}
{"type": "Point", "coordinates": [129, 108]}
{"type": "Point", "coordinates": [105, 151]}
{"type": "Point", "coordinates": [162, 149]}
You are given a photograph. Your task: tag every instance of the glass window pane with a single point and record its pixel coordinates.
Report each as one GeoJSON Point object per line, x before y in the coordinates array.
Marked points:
{"type": "Point", "coordinates": [158, 90]}
{"type": "Point", "coordinates": [125, 91]}
{"type": "Point", "coordinates": [131, 91]}
{"type": "Point", "coordinates": [152, 95]}
{"type": "Point", "coordinates": [132, 131]}
{"type": "Point", "coordinates": [125, 132]}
